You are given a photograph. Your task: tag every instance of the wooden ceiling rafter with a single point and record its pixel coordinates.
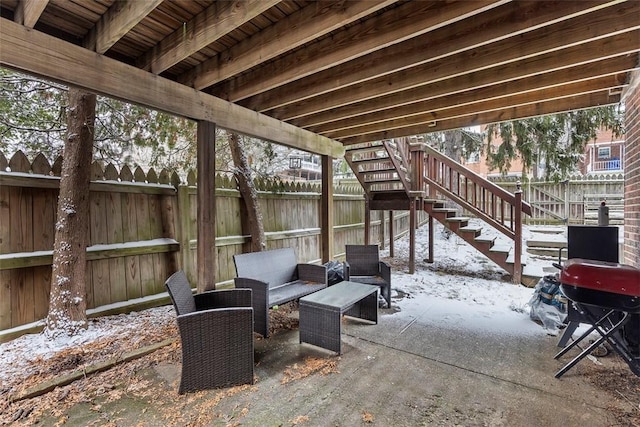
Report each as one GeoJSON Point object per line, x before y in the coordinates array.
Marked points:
{"type": "Point", "coordinates": [28, 12]}
{"type": "Point", "coordinates": [309, 73]}
{"type": "Point", "coordinates": [489, 26]}
{"type": "Point", "coordinates": [613, 71]}
{"type": "Point", "coordinates": [313, 21]}
{"type": "Point", "coordinates": [197, 34]}
{"type": "Point", "coordinates": [455, 109]}
{"type": "Point", "coordinates": [555, 106]}
{"type": "Point", "coordinates": [589, 44]}
{"type": "Point", "coordinates": [389, 28]}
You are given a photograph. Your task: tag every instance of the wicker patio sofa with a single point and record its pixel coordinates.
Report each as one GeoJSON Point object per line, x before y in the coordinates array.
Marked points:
{"type": "Point", "coordinates": [362, 264]}
{"type": "Point", "coordinates": [275, 277]}
{"type": "Point", "coordinates": [216, 330]}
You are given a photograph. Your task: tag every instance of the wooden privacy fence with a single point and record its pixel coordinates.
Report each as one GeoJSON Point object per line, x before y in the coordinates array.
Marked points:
{"type": "Point", "coordinates": [143, 226]}
{"type": "Point", "coordinates": [573, 201]}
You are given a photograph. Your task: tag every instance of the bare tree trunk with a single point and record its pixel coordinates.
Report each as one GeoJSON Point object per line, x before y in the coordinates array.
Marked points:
{"type": "Point", "coordinates": [67, 304]}
{"type": "Point", "coordinates": [249, 194]}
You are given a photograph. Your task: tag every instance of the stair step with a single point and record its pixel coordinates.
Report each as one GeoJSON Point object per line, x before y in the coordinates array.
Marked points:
{"type": "Point", "coordinates": [549, 230]}
{"type": "Point", "coordinates": [385, 168]}
{"type": "Point", "coordinates": [458, 219]}
{"type": "Point", "coordinates": [547, 243]}
{"type": "Point", "coordinates": [435, 204]}
{"type": "Point", "coordinates": [500, 249]}
{"type": "Point", "coordinates": [381, 160]}
{"type": "Point", "coordinates": [481, 239]}
{"type": "Point", "coordinates": [471, 230]}
{"type": "Point", "coordinates": [547, 252]}
{"type": "Point", "coordinates": [363, 150]}
{"type": "Point", "coordinates": [446, 211]}
{"type": "Point", "coordinates": [379, 180]}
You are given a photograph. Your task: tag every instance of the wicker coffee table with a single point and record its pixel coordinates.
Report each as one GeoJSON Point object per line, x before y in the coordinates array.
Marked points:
{"type": "Point", "coordinates": [321, 312]}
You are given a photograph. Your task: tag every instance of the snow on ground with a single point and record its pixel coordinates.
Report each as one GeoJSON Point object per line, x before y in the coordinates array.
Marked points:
{"type": "Point", "coordinates": [460, 285]}
{"type": "Point", "coordinates": [462, 288]}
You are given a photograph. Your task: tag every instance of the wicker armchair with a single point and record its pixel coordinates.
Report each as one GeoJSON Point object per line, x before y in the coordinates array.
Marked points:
{"type": "Point", "coordinates": [216, 329]}
{"type": "Point", "coordinates": [363, 265]}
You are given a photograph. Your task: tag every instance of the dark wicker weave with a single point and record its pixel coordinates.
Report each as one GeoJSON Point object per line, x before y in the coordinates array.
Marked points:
{"type": "Point", "coordinates": [275, 277]}
{"type": "Point", "coordinates": [216, 329]}
{"type": "Point", "coordinates": [321, 312]}
{"type": "Point", "coordinates": [363, 265]}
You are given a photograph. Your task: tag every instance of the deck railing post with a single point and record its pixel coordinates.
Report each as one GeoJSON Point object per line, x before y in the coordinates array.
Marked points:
{"type": "Point", "coordinates": [517, 262]}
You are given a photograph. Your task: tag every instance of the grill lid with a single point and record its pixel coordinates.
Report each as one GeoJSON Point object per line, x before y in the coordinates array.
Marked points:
{"type": "Point", "coordinates": [602, 276]}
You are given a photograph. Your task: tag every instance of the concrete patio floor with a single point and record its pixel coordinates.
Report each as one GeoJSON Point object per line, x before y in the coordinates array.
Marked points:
{"type": "Point", "coordinates": [404, 371]}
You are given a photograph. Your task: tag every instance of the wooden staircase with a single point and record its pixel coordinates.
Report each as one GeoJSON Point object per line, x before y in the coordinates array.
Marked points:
{"type": "Point", "coordinates": [399, 175]}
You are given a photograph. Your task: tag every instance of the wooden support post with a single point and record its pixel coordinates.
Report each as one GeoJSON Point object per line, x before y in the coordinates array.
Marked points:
{"type": "Point", "coordinates": [517, 262]}
{"type": "Point", "coordinates": [381, 230]}
{"type": "Point", "coordinates": [206, 258]}
{"type": "Point", "coordinates": [367, 221]}
{"type": "Point", "coordinates": [391, 235]}
{"type": "Point", "coordinates": [412, 236]}
{"type": "Point", "coordinates": [326, 210]}
{"type": "Point", "coordinates": [431, 233]}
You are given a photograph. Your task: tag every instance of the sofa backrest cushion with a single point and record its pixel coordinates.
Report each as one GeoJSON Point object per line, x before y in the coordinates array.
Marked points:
{"type": "Point", "coordinates": [275, 267]}
{"type": "Point", "coordinates": [181, 293]}
{"type": "Point", "coordinates": [363, 259]}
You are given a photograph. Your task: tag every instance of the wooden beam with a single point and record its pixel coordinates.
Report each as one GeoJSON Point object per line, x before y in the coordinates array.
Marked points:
{"type": "Point", "coordinates": [33, 52]}
{"type": "Point", "coordinates": [490, 26]}
{"type": "Point", "coordinates": [121, 17]}
{"type": "Point", "coordinates": [609, 72]}
{"type": "Point", "coordinates": [205, 28]}
{"type": "Point", "coordinates": [408, 20]}
{"type": "Point", "coordinates": [461, 109]}
{"type": "Point", "coordinates": [545, 49]}
{"type": "Point", "coordinates": [532, 110]}
{"type": "Point", "coordinates": [307, 24]}
{"type": "Point", "coordinates": [206, 249]}
{"type": "Point", "coordinates": [326, 213]}
{"type": "Point", "coordinates": [444, 84]}
{"type": "Point", "coordinates": [28, 12]}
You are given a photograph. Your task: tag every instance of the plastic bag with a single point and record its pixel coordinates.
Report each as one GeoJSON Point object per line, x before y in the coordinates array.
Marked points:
{"type": "Point", "coordinates": [549, 305]}
{"type": "Point", "coordinates": [335, 272]}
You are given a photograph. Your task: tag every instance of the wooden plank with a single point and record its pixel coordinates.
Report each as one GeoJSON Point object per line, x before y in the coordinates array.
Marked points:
{"type": "Point", "coordinates": [198, 33]}
{"type": "Point", "coordinates": [184, 229]}
{"type": "Point", "coordinates": [5, 300]}
{"type": "Point", "coordinates": [147, 275]}
{"type": "Point", "coordinates": [503, 62]}
{"type": "Point", "coordinates": [100, 283]}
{"type": "Point", "coordinates": [117, 273]}
{"type": "Point", "coordinates": [28, 12]}
{"type": "Point", "coordinates": [130, 234]}
{"type": "Point", "coordinates": [44, 181]}
{"type": "Point", "coordinates": [303, 26]}
{"type": "Point", "coordinates": [40, 54]}
{"type": "Point", "coordinates": [98, 252]}
{"type": "Point", "coordinates": [206, 214]}
{"type": "Point", "coordinates": [99, 234]}
{"type": "Point", "coordinates": [41, 291]}
{"type": "Point", "coordinates": [121, 17]}
{"type": "Point", "coordinates": [5, 220]}
{"type": "Point", "coordinates": [539, 109]}
{"type": "Point", "coordinates": [327, 210]}
{"type": "Point", "coordinates": [390, 119]}
{"type": "Point", "coordinates": [401, 23]}
{"type": "Point", "coordinates": [22, 296]}
{"type": "Point", "coordinates": [509, 20]}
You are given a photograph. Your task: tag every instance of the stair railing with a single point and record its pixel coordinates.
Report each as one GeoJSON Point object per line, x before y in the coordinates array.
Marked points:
{"type": "Point", "coordinates": [492, 203]}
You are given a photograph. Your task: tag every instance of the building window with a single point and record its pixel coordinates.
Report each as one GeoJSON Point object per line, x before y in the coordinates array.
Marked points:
{"type": "Point", "coordinates": [604, 153]}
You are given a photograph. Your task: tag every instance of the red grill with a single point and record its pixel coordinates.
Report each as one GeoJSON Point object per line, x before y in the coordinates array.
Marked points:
{"type": "Point", "coordinates": [608, 296]}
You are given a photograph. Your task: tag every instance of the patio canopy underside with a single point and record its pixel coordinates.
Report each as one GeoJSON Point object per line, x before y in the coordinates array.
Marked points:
{"type": "Point", "coordinates": [319, 75]}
